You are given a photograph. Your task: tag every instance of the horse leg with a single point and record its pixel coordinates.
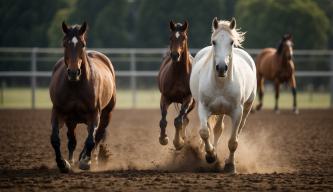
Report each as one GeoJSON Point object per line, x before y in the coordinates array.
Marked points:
{"type": "Point", "coordinates": [218, 129]}
{"type": "Point", "coordinates": [204, 132]}
{"type": "Point", "coordinates": [181, 122]}
{"type": "Point", "coordinates": [85, 156]}
{"type": "Point", "coordinates": [294, 92]}
{"type": "Point", "coordinates": [101, 135]}
{"type": "Point", "coordinates": [246, 111]}
{"type": "Point", "coordinates": [236, 118]}
{"type": "Point", "coordinates": [260, 85]}
{"type": "Point", "coordinates": [71, 145]}
{"type": "Point", "coordinates": [277, 93]}
{"type": "Point", "coordinates": [164, 105]}
{"type": "Point", "coordinates": [56, 124]}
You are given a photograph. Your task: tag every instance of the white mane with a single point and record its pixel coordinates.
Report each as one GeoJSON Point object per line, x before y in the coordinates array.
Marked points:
{"type": "Point", "coordinates": [235, 33]}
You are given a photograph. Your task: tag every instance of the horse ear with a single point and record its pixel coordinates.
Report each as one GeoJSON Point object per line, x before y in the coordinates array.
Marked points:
{"type": "Point", "coordinates": [185, 26]}
{"type": "Point", "coordinates": [83, 28]}
{"type": "Point", "coordinates": [215, 23]}
{"type": "Point", "coordinates": [172, 26]}
{"type": "Point", "coordinates": [64, 27]}
{"type": "Point", "coordinates": [232, 23]}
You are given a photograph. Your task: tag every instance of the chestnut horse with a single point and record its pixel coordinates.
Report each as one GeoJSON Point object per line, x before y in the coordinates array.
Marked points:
{"type": "Point", "coordinates": [82, 90]}
{"type": "Point", "coordinates": [277, 66]}
{"type": "Point", "coordinates": [173, 82]}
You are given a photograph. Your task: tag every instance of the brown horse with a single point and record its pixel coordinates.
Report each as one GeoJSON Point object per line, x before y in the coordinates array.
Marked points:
{"type": "Point", "coordinates": [173, 82]}
{"type": "Point", "coordinates": [82, 90]}
{"type": "Point", "coordinates": [277, 66]}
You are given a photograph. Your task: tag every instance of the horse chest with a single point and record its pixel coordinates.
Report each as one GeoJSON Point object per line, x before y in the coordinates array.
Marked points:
{"type": "Point", "coordinates": [284, 75]}
{"type": "Point", "coordinates": [178, 90]}
{"type": "Point", "coordinates": [218, 104]}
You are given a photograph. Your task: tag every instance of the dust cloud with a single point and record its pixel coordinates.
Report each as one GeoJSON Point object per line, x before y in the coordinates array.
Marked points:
{"type": "Point", "coordinates": [137, 148]}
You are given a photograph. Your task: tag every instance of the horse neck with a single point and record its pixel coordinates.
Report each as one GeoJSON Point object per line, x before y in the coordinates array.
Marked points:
{"type": "Point", "coordinates": [86, 67]}
{"type": "Point", "coordinates": [283, 61]}
{"type": "Point", "coordinates": [183, 66]}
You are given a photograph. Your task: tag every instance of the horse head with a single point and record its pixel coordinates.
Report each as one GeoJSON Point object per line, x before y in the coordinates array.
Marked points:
{"type": "Point", "coordinates": [224, 38]}
{"type": "Point", "coordinates": [74, 42]}
{"type": "Point", "coordinates": [286, 47]}
{"type": "Point", "coordinates": [178, 40]}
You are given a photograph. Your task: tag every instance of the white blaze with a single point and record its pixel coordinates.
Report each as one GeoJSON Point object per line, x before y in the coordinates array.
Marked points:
{"type": "Point", "coordinates": [74, 40]}
{"type": "Point", "coordinates": [177, 35]}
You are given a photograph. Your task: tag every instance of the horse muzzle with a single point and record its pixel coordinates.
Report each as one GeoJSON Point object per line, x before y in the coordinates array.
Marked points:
{"type": "Point", "coordinates": [175, 56]}
{"type": "Point", "coordinates": [73, 74]}
{"type": "Point", "coordinates": [221, 70]}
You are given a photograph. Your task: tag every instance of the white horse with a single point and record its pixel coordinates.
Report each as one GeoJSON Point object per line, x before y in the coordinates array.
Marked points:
{"type": "Point", "coordinates": [223, 82]}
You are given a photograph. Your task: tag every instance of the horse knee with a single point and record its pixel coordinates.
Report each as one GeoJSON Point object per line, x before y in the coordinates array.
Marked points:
{"type": "Point", "coordinates": [204, 133]}
{"type": "Point", "coordinates": [232, 145]}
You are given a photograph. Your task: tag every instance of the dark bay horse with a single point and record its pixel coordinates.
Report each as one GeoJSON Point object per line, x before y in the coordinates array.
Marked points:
{"type": "Point", "coordinates": [82, 90]}
{"type": "Point", "coordinates": [173, 82]}
{"type": "Point", "coordinates": [277, 66]}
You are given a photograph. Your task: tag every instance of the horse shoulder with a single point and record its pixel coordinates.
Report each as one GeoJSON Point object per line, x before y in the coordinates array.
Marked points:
{"type": "Point", "coordinates": [246, 57]}
{"type": "Point", "coordinates": [201, 53]}
{"type": "Point", "coordinates": [57, 78]}
{"type": "Point", "coordinates": [95, 55]}
{"type": "Point", "coordinates": [164, 77]}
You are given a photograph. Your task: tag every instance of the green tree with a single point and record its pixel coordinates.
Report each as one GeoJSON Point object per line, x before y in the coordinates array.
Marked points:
{"type": "Point", "coordinates": [327, 7]}
{"type": "Point", "coordinates": [54, 32]}
{"type": "Point", "coordinates": [266, 21]}
{"type": "Point", "coordinates": [106, 20]}
{"type": "Point", "coordinates": [154, 16]}
{"type": "Point", "coordinates": [25, 23]}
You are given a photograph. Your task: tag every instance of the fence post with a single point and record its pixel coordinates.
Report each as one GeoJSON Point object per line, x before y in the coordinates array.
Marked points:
{"type": "Point", "coordinates": [331, 79]}
{"type": "Point", "coordinates": [133, 77]}
{"type": "Point", "coordinates": [33, 76]}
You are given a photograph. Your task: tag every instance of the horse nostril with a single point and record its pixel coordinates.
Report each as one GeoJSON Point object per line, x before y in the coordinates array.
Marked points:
{"type": "Point", "coordinates": [226, 67]}
{"type": "Point", "coordinates": [78, 72]}
{"type": "Point", "coordinates": [217, 67]}
{"type": "Point", "coordinates": [174, 56]}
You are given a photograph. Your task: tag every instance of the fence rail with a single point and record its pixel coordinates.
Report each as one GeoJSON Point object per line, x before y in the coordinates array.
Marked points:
{"type": "Point", "coordinates": [133, 59]}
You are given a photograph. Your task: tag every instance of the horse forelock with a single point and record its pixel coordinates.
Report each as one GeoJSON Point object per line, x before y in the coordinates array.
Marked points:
{"type": "Point", "coordinates": [237, 36]}
{"type": "Point", "coordinates": [73, 31]}
{"type": "Point", "coordinates": [178, 27]}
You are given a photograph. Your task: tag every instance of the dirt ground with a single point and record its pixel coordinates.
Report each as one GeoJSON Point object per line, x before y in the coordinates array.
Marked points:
{"type": "Point", "coordinates": [283, 152]}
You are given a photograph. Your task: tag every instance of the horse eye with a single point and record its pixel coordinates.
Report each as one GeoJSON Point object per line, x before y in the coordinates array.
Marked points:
{"type": "Point", "coordinates": [214, 42]}
{"type": "Point", "coordinates": [232, 42]}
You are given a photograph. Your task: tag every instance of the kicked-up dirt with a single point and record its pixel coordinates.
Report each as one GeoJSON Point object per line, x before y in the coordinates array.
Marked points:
{"type": "Point", "coordinates": [283, 152]}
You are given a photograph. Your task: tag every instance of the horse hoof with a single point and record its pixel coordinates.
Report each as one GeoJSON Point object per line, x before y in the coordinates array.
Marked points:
{"type": "Point", "coordinates": [296, 112]}
{"type": "Point", "coordinates": [85, 164]}
{"type": "Point", "coordinates": [277, 111]}
{"type": "Point", "coordinates": [229, 168]}
{"type": "Point", "coordinates": [64, 166]}
{"type": "Point", "coordinates": [164, 140]}
{"type": "Point", "coordinates": [178, 145]}
{"type": "Point", "coordinates": [211, 158]}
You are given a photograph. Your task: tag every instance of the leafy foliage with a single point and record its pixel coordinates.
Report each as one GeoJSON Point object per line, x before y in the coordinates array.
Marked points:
{"type": "Point", "coordinates": [266, 21]}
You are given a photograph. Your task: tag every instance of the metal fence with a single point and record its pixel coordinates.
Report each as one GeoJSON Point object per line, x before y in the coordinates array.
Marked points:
{"type": "Point", "coordinates": [132, 56]}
